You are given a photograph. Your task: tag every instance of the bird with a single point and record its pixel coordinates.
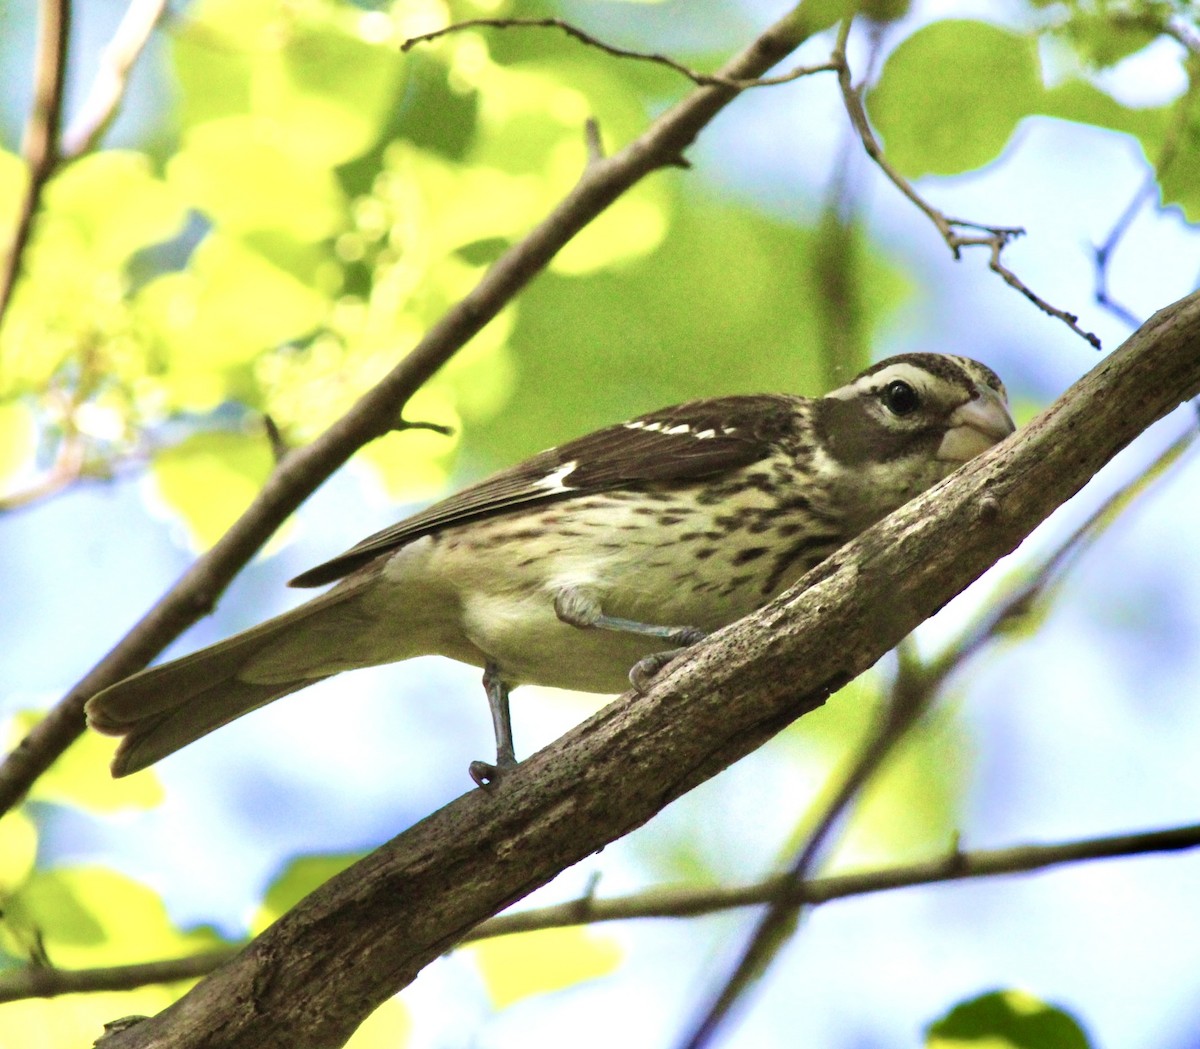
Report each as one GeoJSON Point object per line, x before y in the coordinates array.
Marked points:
{"type": "Point", "coordinates": [591, 565]}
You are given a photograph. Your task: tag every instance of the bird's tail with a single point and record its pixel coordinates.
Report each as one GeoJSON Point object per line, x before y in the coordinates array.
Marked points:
{"type": "Point", "coordinates": [166, 707]}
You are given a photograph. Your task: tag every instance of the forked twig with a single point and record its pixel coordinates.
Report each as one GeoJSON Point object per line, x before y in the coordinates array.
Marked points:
{"type": "Point", "coordinates": [700, 79]}
{"type": "Point", "coordinates": [996, 238]}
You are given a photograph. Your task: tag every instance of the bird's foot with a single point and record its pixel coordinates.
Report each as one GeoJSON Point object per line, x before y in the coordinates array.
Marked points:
{"type": "Point", "coordinates": [644, 671]}
{"type": "Point", "coordinates": [488, 775]}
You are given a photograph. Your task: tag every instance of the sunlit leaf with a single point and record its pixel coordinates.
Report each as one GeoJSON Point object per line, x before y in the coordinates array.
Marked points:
{"type": "Point", "coordinates": [209, 479]}
{"type": "Point", "coordinates": [388, 1027]}
{"type": "Point", "coordinates": [18, 849]}
{"type": "Point", "coordinates": [114, 204]}
{"type": "Point", "coordinates": [88, 916]}
{"type": "Point", "coordinates": [1006, 1020]}
{"type": "Point", "coordinates": [18, 436]}
{"type": "Point", "coordinates": [413, 464]}
{"type": "Point", "coordinates": [329, 90]}
{"type": "Point", "coordinates": [80, 776]}
{"type": "Point", "coordinates": [244, 174]}
{"type": "Point", "coordinates": [526, 964]}
{"type": "Point", "coordinates": [910, 807]}
{"type": "Point", "coordinates": [75, 1020]}
{"type": "Point", "coordinates": [951, 95]}
{"type": "Point", "coordinates": [300, 877]}
{"type": "Point", "coordinates": [212, 319]}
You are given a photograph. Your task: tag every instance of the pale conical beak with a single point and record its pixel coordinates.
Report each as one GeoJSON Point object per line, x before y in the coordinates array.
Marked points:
{"type": "Point", "coordinates": [976, 426]}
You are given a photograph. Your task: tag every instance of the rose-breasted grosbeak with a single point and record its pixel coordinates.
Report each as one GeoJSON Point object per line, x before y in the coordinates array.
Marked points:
{"type": "Point", "coordinates": [594, 557]}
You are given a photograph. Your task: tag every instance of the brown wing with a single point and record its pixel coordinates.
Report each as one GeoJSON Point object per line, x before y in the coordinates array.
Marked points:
{"type": "Point", "coordinates": [692, 440]}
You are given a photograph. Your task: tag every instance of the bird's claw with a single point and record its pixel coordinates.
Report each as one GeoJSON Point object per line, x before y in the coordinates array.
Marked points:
{"type": "Point", "coordinates": [644, 671]}
{"type": "Point", "coordinates": [488, 776]}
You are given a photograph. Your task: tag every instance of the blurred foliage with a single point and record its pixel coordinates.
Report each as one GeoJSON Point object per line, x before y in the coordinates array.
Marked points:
{"type": "Point", "coordinates": [326, 199]}
{"type": "Point", "coordinates": [531, 963]}
{"type": "Point", "coordinates": [1006, 1020]}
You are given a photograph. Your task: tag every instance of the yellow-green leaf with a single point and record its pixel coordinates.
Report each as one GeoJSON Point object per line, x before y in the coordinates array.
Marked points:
{"type": "Point", "coordinates": [525, 964]}
{"type": "Point", "coordinates": [951, 95]}
{"type": "Point", "coordinates": [80, 777]}
{"type": "Point", "coordinates": [92, 915]}
{"type": "Point", "coordinates": [18, 849]}
{"type": "Point", "coordinates": [18, 438]}
{"type": "Point", "coordinates": [388, 1027]}
{"type": "Point", "coordinates": [209, 479]}
{"type": "Point", "coordinates": [114, 204]}
{"type": "Point", "coordinates": [245, 174]}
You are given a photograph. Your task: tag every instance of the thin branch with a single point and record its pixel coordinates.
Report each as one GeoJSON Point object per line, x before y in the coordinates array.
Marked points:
{"type": "Point", "coordinates": [697, 78]}
{"type": "Point", "coordinates": [107, 93]}
{"type": "Point", "coordinates": [996, 238]}
{"type": "Point", "coordinates": [661, 902]}
{"type": "Point", "coordinates": [1102, 253]}
{"type": "Point", "coordinates": [40, 145]}
{"type": "Point", "coordinates": [304, 469]}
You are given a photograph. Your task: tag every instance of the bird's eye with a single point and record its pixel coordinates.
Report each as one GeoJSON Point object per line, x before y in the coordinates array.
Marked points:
{"type": "Point", "coordinates": [899, 398]}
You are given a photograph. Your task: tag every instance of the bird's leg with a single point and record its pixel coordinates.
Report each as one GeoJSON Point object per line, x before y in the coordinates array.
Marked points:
{"type": "Point", "coordinates": [484, 774]}
{"type": "Point", "coordinates": [580, 608]}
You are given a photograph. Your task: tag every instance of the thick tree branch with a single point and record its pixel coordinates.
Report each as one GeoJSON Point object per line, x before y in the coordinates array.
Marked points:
{"type": "Point", "coordinates": [315, 974]}
{"type": "Point", "coordinates": [662, 902]}
{"type": "Point", "coordinates": [377, 411]}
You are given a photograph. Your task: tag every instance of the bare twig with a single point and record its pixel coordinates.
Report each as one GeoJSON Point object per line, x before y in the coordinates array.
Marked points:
{"type": "Point", "coordinates": [112, 77]}
{"type": "Point", "coordinates": [700, 79]}
{"type": "Point", "coordinates": [304, 469]}
{"type": "Point", "coordinates": [40, 145]}
{"type": "Point", "coordinates": [663, 902]}
{"type": "Point", "coordinates": [996, 238]}
{"type": "Point", "coordinates": [1102, 253]}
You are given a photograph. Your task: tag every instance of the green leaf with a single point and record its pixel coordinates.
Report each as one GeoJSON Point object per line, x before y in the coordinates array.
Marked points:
{"type": "Point", "coordinates": [18, 850]}
{"type": "Point", "coordinates": [300, 877]}
{"type": "Point", "coordinates": [755, 334]}
{"type": "Point", "coordinates": [388, 1027]}
{"type": "Point", "coordinates": [113, 205]}
{"type": "Point", "coordinates": [90, 916]}
{"type": "Point", "coordinates": [951, 95]}
{"type": "Point", "coordinates": [244, 174]}
{"type": "Point", "coordinates": [213, 319]}
{"type": "Point", "coordinates": [330, 90]}
{"type": "Point", "coordinates": [1006, 1020]}
{"type": "Point", "coordinates": [1180, 181]}
{"type": "Point", "coordinates": [1104, 40]}
{"type": "Point", "coordinates": [80, 777]}
{"type": "Point", "coordinates": [18, 437]}
{"type": "Point", "coordinates": [910, 807]}
{"type": "Point", "coordinates": [209, 479]}
{"type": "Point", "coordinates": [526, 964]}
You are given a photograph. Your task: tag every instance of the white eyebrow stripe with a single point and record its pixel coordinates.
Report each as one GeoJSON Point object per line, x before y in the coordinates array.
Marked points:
{"type": "Point", "coordinates": [554, 482]}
